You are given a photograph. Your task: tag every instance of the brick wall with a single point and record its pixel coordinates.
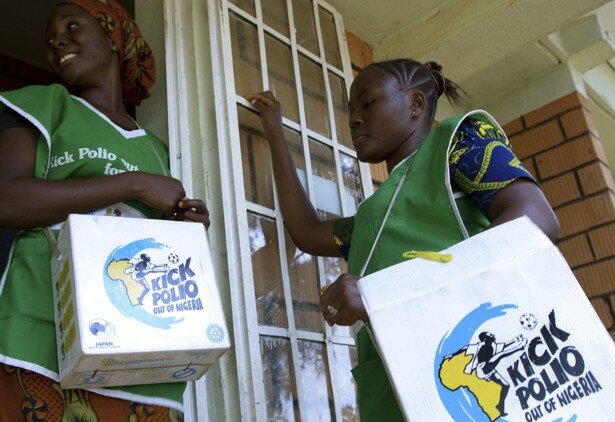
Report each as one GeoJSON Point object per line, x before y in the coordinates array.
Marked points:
{"type": "Point", "coordinates": [559, 145]}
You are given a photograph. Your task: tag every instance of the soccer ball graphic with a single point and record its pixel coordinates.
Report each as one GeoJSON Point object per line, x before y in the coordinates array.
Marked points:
{"type": "Point", "coordinates": [528, 321]}
{"type": "Point", "coordinates": [173, 258]}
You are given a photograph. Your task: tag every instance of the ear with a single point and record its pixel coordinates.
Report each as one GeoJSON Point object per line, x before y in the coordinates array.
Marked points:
{"type": "Point", "coordinates": [417, 103]}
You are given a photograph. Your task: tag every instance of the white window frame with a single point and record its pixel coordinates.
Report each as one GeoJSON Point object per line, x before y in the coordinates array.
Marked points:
{"type": "Point", "coordinates": [200, 125]}
{"type": "Point", "coordinates": [226, 89]}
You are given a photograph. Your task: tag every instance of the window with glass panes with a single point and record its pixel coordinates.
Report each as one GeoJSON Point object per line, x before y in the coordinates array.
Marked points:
{"type": "Point", "coordinates": [296, 49]}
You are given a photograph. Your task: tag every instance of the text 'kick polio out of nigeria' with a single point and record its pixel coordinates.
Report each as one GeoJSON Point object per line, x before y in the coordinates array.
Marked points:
{"type": "Point", "coordinates": [537, 372]}
{"type": "Point", "coordinates": [150, 283]}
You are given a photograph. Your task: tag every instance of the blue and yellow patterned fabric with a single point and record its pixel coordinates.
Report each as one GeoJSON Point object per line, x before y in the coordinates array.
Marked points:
{"type": "Point", "coordinates": [481, 163]}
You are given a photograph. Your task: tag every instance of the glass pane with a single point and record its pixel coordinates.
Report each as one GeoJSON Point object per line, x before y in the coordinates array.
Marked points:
{"type": "Point", "coordinates": [340, 109]}
{"type": "Point", "coordinates": [246, 58]}
{"type": "Point", "coordinates": [345, 358]}
{"type": "Point", "coordinates": [282, 76]}
{"type": "Point", "coordinates": [246, 5]}
{"type": "Point", "coordinates": [279, 379]}
{"type": "Point", "coordinates": [329, 38]}
{"type": "Point", "coordinates": [305, 288]}
{"type": "Point", "coordinates": [314, 96]}
{"type": "Point", "coordinates": [334, 267]}
{"type": "Point", "coordinates": [305, 24]}
{"type": "Point", "coordinates": [275, 15]}
{"type": "Point", "coordinates": [324, 174]}
{"type": "Point", "coordinates": [255, 156]}
{"type": "Point", "coordinates": [302, 267]}
{"type": "Point", "coordinates": [295, 146]}
{"type": "Point", "coordinates": [353, 190]}
{"type": "Point", "coordinates": [315, 381]}
{"type": "Point", "coordinates": [268, 287]}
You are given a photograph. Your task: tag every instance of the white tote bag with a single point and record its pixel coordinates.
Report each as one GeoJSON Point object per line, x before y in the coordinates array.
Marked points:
{"type": "Point", "coordinates": [503, 332]}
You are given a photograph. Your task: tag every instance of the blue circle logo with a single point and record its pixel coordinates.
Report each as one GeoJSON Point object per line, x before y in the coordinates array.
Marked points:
{"type": "Point", "coordinates": [130, 274]}
{"type": "Point", "coordinates": [184, 373]}
{"type": "Point", "coordinates": [101, 328]}
{"type": "Point", "coordinates": [470, 381]}
{"type": "Point", "coordinates": [215, 333]}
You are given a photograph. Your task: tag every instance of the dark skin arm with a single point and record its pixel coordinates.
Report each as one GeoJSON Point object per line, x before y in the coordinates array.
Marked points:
{"type": "Point", "coordinates": [314, 236]}
{"type": "Point", "coordinates": [524, 197]}
{"type": "Point", "coordinates": [28, 202]}
{"type": "Point", "coordinates": [308, 231]}
{"type": "Point", "coordinates": [520, 198]}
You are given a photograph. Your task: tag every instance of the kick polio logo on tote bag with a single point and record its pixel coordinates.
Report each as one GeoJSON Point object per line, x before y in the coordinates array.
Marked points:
{"type": "Point", "coordinates": [544, 370]}
{"type": "Point", "coordinates": [503, 332]}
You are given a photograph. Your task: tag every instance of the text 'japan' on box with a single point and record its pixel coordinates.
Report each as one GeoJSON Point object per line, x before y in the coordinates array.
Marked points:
{"type": "Point", "coordinates": [135, 302]}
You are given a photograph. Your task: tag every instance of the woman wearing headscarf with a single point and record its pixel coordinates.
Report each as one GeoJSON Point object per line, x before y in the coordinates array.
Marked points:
{"type": "Point", "coordinates": [73, 148]}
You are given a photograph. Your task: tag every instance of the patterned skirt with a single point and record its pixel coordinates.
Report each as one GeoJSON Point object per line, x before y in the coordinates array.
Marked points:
{"type": "Point", "coordinates": [28, 396]}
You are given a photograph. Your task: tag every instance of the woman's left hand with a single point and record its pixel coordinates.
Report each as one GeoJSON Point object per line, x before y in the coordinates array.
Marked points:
{"type": "Point", "coordinates": [192, 210]}
{"type": "Point", "coordinates": [341, 301]}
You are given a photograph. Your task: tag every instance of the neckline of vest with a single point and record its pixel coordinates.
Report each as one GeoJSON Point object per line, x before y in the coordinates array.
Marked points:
{"type": "Point", "coordinates": [128, 134]}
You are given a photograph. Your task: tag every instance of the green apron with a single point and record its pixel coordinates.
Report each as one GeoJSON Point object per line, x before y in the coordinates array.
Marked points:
{"type": "Point", "coordinates": [425, 217]}
{"type": "Point", "coordinates": [76, 142]}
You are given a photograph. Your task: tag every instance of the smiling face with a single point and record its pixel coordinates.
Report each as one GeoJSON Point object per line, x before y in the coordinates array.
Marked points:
{"type": "Point", "coordinates": [380, 115]}
{"type": "Point", "coordinates": [78, 50]}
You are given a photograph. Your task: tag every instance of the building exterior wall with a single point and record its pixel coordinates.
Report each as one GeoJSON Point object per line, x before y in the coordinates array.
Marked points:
{"type": "Point", "coordinates": [604, 117]}
{"type": "Point", "coordinates": [559, 144]}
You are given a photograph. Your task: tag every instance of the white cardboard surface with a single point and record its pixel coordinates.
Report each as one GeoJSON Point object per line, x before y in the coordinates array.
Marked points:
{"type": "Point", "coordinates": [547, 344]}
{"type": "Point", "coordinates": [136, 302]}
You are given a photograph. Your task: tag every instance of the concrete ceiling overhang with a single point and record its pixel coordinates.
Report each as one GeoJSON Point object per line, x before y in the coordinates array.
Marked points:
{"type": "Point", "coordinates": [465, 35]}
{"type": "Point", "coordinates": [489, 47]}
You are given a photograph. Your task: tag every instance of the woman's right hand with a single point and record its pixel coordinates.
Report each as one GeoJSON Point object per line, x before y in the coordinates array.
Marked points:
{"type": "Point", "coordinates": [341, 301]}
{"type": "Point", "coordinates": [271, 113]}
{"type": "Point", "coordinates": [157, 191]}
{"type": "Point", "coordinates": [308, 231]}
{"type": "Point", "coordinates": [55, 199]}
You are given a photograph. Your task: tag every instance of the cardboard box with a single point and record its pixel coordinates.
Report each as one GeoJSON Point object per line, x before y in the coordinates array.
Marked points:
{"type": "Point", "coordinates": [503, 332]}
{"type": "Point", "coordinates": [136, 302]}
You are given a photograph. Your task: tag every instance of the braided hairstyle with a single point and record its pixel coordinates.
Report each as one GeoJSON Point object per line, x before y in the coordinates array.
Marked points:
{"type": "Point", "coordinates": [426, 78]}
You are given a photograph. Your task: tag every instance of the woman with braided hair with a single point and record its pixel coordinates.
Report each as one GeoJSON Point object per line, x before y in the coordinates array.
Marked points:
{"type": "Point", "coordinates": [455, 180]}
{"type": "Point", "coordinates": [73, 148]}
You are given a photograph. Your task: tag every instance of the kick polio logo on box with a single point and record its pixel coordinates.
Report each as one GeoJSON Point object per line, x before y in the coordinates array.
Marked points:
{"type": "Point", "coordinates": [136, 302]}
{"type": "Point", "coordinates": [148, 282]}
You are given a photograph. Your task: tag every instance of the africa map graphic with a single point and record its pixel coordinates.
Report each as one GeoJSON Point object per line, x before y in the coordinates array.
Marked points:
{"type": "Point", "coordinates": [123, 276]}
{"type": "Point", "coordinates": [474, 367]}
